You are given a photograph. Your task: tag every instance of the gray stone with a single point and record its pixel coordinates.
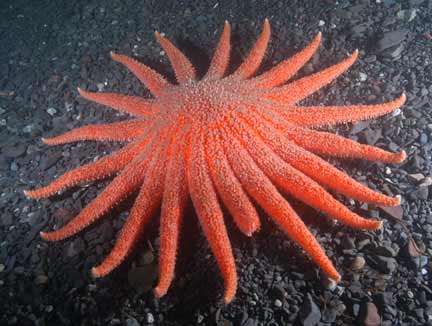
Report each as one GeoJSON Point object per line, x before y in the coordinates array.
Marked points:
{"type": "Point", "coordinates": [310, 314]}
{"type": "Point", "coordinates": [391, 39]}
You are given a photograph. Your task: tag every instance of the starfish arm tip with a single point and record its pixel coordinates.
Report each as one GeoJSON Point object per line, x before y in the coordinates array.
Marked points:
{"type": "Point", "coordinates": [397, 200]}
{"type": "Point", "coordinates": [45, 235]}
{"type": "Point", "coordinates": [80, 91]}
{"type": "Point", "coordinates": [30, 194]}
{"type": "Point", "coordinates": [379, 225]}
{"type": "Point", "coordinates": [47, 141]}
{"type": "Point", "coordinates": [337, 278]}
{"type": "Point", "coordinates": [159, 292]}
{"type": "Point", "coordinates": [373, 225]}
{"type": "Point", "coordinates": [158, 35]}
{"type": "Point", "coordinates": [95, 273]}
{"type": "Point", "coordinates": [255, 226]}
{"type": "Point", "coordinates": [249, 233]}
{"type": "Point", "coordinates": [228, 298]}
{"type": "Point", "coordinates": [115, 56]}
{"type": "Point", "coordinates": [400, 157]}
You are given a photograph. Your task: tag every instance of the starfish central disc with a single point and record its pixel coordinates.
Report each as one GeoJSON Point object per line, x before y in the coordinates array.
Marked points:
{"type": "Point", "coordinates": [205, 102]}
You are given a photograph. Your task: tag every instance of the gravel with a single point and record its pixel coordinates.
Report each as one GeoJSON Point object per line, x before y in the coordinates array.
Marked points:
{"type": "Point", "coordinates": [51, 47]}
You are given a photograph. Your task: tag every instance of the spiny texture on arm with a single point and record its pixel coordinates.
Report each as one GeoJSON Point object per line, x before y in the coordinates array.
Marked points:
{"type": "Point", "coordinates": [230, 189]}
{"type": "Point", "coordinates": [230, 140]}
{"type": "Point", "coordinates": [261, 189]}
{"type": "Point", "coordinates": [174, 201]}
{"type": "Point", "coordinates": [220, 61]}
{"type": "Point", "coordinates": [145, 205]}
{"type": "Point", "coordinates": [209, 212]}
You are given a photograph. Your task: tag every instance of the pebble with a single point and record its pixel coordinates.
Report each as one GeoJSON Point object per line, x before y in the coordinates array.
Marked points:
{"type": "Point", "coordinates": [6, 219]}
{"type": "Point", "coordinates": [69, 106]}
{"type": "Point", "coordinates": [386, 251]}
{"type": "Point", "coordinates": [147, 257]}
{"type": "Point", "coordinates": [421, 193]}
{"type": "Point", "coordinates": [15, 150]}
{"type": "Point", "coordinates": [142, 278]}
{"type": "Point", "coordinates": [426, 182]}
{"type": "Point", "coordinates": [150, 318]}
{"type": "Point", "coordinates": [49, 308]}
{"type": "Point", "coordinates": [310, 314]}
{"type": "Point", "coordinates": [423, 139]}
{"type": "Point", "coordinates": [132, 322]}
{"type": "Point", "coordinates": [75, 247]}
{"type": "Point", "coordinates": [278, 303]}
{"type": "Point", "coordinates": [329, 315]}
{"type": "Point", "coordinates": [200, 318]}
{"type": "Point", "coordinates": [100, 87]}
{"type": "Point", "coordinates": [370, 316]}
{"type": "Point", "coordinates": [415, 177]}
{"type": "Point", "coordinates": [358, 263]}
{"type": "Point", "coordinates": [386, 265]}
{"type": "Point", "coordinates": [51, 111]}
{"type": "Point", "coordinates": [391, 39]}
{"type": "Point", "coordinates": [394, 211]}
{"type": "Point", "coordinates": [41, 279]}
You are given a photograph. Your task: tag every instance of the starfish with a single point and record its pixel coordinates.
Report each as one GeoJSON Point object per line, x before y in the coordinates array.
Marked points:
{"type": "Point", "coordinates": [236, 140]}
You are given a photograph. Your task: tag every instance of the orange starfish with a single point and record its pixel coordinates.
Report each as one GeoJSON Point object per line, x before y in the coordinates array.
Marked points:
{"type": "Point", "coordinates": [232, 139]}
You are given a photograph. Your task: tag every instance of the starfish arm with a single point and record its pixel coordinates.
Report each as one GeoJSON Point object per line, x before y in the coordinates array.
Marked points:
{"type": "Point", "coordinates": [154, 81]}
{"type": "Point", "coordinates": [183, 69]}
{"type": "Point", "coordinates": [296, 183]}
{"type": "Point", "coordinates": [313, 166]}
{"type": "Point", "coordinates": [102, 168]}
{"type": "Point", "coordinates": [255, 56]}
{"type": "Point", "coordinates": [145, 205]}
{"type": "Point", "coordinates": [173, 204]}
{"type": "Point", "coordinates": [287, 68]}
{"type": "Point", "coordinates": [313, 117]}
{"type": "Point", "coordinates": [230, 189]}
{"type": "Point", "coordinates": [206, 205]}
{"type": "Point", "coordinates": [124, 184]}
{"type": "Point", "coordinates": [221, 57]}
{"type": "Point", "coordinates": [267, 196]}
{"type": "Point", "coordinates": [118, 131]}
{"type": "Point", "coordinates": [133, 105]}
{"type": "Point", "coordinates": [299, 89]}
{"type": "Point", "coordinates": [317, 168]}
{"type": "Point", "coordinates": [325, 143]}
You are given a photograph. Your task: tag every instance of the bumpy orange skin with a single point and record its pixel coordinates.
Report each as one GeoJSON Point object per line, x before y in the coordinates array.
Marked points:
{"type": "Point", "coordinates": [234, 139]}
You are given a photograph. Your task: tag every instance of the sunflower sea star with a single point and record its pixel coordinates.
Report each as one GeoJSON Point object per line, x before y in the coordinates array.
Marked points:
{"type": "Point", "coordinates": [234, 139]}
